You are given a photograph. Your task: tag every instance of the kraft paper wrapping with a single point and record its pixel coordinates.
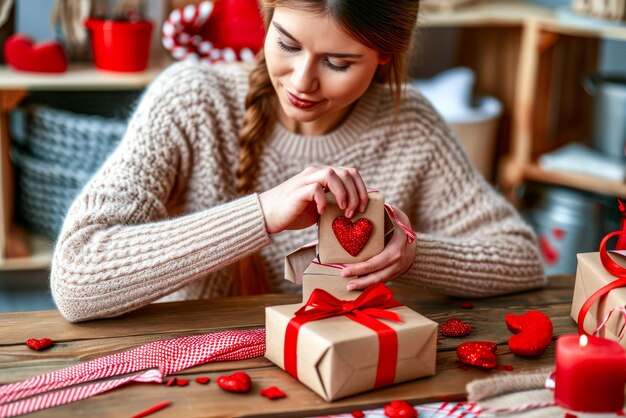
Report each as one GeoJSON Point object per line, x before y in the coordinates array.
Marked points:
{"type": "Point", "coordinates": [591, 276]}
{"type": "Point", "coordinates": [330, 251]}
{"type": "Point", "coordinates": [337, 356]}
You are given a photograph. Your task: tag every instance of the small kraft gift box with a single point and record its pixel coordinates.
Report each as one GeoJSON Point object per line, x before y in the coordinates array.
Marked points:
{"type": "Point", "coordinates": [591, 275]}
{"type": "Point", "coordinates": [343, 240]}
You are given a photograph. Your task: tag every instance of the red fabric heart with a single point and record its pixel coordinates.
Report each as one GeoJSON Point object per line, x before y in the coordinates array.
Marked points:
{"type": "Point", "coordinates": [35, 344]}
{"type": "Point", "coordinates": [352, 235]}
{"type": "Point", "coordinates": [236, 382]}
{"type": "Point", "coordinates": [533, 333]}
{"type": "Point", "coordinates": [478, 353]}
{"type": "Point", "coordinates": [21, 53]}
{"type": "Point", "coordinates": [399, 409]}
{"type": "Point", "coordinates": [273, 393]}
{"type": "Point", "coordinates": [203, 380]}
{"type": "Point", "coordinates": [455, 328]}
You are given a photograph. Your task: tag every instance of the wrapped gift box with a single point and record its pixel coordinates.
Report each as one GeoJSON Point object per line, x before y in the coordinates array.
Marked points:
{"type": "Point", "coordinates": [331, 250]}
{"type": "Point", "coordinates": [591, 276]}
{"type": "Point", "coordinates": [338, 357]}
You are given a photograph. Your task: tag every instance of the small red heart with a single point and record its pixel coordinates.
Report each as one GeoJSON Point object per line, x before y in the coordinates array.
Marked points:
{"type": "Point", "coordinates": [35, 344]}
{"type": "Point", "coordinates": [467, 305]}
{"type": "Point", "coordinates": [478, 353]}
{"type": "Point", "coordinates": [533, 333]}
{"type": "Point", "coordinates": [171, 382]}
{"type": "Point", "coordinates": [358, 414]}
{"type": "Point", "coordinates": [455, 328]}
{"type": "Point", "coordinates": [352, 236]}
{"type": "Point", "coordinates": [21, 53]}
{"type": "Point", "coordinates": [203, 380]}
{"type": "Point", "coordinates": [236, 382]}
{"type": "Point", "coordinates": [399, 409]}
{"type": "Point", "coordinates": [182, 382]}
{"type": "Point", "coordinates": [273, 393]}
{"type": "Point", "coordinates": [550, 253]}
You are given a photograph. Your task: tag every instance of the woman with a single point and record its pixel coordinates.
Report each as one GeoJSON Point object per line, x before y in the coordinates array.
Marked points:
{"type": "Point", "coordinates": [218, 165]}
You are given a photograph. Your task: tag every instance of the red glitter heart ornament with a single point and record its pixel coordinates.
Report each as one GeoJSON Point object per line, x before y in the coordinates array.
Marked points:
{"type": "Point", "coordinates": [273, 393]}
{"type": "Point", "coordinates": [399, 409]}
{"type": "Point", "coordinates": [236, 382]}
{"type": "Point", "coordinates": [352, 236]}
{"type": "Point", "coordinates": [35, 344]}
{"type": "Point", "coordinates": [478, 353]}
{"type": "Point", "coordinates": [533, 333]}
{"type": "Point", "coordinates": [455, 328]}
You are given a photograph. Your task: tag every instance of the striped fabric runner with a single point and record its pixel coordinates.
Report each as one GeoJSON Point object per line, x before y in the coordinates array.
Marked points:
{"type": "Point", "coordinates": [148, 363]}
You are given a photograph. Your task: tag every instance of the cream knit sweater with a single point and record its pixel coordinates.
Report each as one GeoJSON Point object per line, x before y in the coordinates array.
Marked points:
{"type": "Point", "coordinates": [162, 216]}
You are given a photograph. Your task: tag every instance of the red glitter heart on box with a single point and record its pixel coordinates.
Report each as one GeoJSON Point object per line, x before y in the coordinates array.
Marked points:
{"type": "Point", "coordinates": [35, 344]}
{"type": "Point", "coordinates": [533, 333]}
{"type": "Point", "coordinates": [455, 328]}
{"type": "Point", "coordinates": [236, 382]}
{"type": "Point", "coordinates": [352, 236]}
{"type": "Point", "coordinates": [399, 409]}
{"type": "Point", "coordinates": [478, 353]}
{"type": "Point", "coordinates": [273, 393]}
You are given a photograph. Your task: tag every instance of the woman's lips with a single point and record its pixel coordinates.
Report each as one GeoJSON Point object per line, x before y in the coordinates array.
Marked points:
{"type": "Point", "coordinates": [298, 102]}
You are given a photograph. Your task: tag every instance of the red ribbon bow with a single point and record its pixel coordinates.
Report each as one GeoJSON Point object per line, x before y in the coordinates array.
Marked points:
{"type": "Point", "coordinates": [613, 268]}
{"type": "Point", "coordinates": [370, 305]}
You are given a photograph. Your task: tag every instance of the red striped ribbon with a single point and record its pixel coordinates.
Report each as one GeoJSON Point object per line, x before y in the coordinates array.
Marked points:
{"type": "Point", "coordinates": [371, 304]}
{"type": "Point", "coordinates": [612, 267]}
{"type": "Point", "coordinates": [150, 362]}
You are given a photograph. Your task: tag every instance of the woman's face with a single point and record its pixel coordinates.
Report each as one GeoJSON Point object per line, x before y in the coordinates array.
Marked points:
{"type": "Point", "coordinates": [316, 68]}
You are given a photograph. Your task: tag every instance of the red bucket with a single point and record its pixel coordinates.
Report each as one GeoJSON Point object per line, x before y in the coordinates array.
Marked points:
{"type": "Point", "coordinates": [119, 45]}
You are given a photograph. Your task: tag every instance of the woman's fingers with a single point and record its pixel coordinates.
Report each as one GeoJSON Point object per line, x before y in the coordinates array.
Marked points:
{"type": "Point", "coordinates": [345, 184]}
{"type": "Point", "coordinates": [380, 276]}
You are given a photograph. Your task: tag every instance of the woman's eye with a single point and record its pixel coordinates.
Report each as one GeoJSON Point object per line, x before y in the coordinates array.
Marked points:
{"type": "Point", "coordinates": [334, 67]}
{"type": "Point", "coordinates": [286, 47]}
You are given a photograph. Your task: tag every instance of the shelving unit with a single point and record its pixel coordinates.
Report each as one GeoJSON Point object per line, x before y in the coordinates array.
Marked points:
{"type": "Point", "coordinates": [515, 47]}
{"type": "Point", "coordinates": [18, 249]}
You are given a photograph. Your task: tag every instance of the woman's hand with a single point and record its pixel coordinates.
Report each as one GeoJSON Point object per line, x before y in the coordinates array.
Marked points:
{"type": "Point", "coordinates": [296, 203]}
{"type": "Point", "coordinates": [396, 258]}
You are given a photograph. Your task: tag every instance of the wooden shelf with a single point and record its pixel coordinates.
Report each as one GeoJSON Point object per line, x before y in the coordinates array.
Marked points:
{"type": "Point", "coordinates": [77, 77]}
{"type": "Point", "coordinates": [517, 13]}
{"type": "Point", "coordinates": [576, 181]}
{"type": "Point", "coordinates": [40, 258]}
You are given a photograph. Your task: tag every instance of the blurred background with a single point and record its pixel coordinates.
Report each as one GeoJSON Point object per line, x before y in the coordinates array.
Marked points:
{"type": "Point", "coordinates": [534, 90]}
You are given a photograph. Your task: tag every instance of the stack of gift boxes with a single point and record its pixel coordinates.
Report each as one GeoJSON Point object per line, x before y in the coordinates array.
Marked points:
{"type": "Point", "coordinates": [339, 342]}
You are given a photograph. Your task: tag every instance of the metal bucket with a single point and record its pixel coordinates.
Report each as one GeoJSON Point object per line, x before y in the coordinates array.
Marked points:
{"type": "Point", "coordinates": [609, 113]}
{"type": "Point", "coordinates": [567, 222]}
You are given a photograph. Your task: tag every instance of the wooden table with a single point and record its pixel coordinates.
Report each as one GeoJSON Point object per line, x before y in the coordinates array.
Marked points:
{"type": "Point", "coordinates": [76, 343]}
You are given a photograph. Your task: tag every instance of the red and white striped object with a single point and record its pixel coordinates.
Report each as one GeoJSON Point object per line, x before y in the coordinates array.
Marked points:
{"type": "Point", "coordinates": [215, 31]}
{"type": "Point", "coordinates": [150, 363]}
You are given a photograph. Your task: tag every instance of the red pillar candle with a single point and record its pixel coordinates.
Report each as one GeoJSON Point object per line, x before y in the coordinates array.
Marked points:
{"type": "Point", "coordinates": [590, 374]}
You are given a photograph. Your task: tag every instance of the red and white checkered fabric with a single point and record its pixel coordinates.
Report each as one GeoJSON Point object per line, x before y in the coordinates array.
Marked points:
{"type": "Point", "coordinates": [150, 362]}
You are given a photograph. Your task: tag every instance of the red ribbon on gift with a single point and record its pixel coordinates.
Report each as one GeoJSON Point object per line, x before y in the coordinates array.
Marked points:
{"type": "Point", "coordinates": [370, 304]}
{"type": "Point", "coordinates": [612, 267]}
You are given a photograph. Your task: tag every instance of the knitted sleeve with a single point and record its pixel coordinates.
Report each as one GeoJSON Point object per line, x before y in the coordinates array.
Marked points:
{"type": "Point", "coordinates": [118, 249]}
{"type": "Point", "coordinates": [471, 242]}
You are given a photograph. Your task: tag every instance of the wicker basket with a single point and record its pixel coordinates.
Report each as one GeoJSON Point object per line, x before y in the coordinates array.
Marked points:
{"type": "Point", "coordinates": [56, 150]}
{"type": "Point", "coordinates": [604, 9]}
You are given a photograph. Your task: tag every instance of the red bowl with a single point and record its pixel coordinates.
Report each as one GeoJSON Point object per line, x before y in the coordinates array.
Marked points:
{"type": "Point", "coordinates": [119, 45]}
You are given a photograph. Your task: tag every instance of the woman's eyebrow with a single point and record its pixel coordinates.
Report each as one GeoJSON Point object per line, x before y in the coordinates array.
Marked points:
{"type": "Point", "coordinates": [330, 54]}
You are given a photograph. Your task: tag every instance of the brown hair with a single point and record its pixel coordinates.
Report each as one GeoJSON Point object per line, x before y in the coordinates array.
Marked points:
{"type": "Point", "coordinates": [385, 26]}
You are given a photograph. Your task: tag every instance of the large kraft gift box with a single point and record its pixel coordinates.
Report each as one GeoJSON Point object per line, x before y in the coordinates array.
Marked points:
{"type": "Point", "coordinates": [331, 250]}
{"type": "Point", "coordinates": [338, 357]}
{"type": "Point", "coordinates": [591, 276]}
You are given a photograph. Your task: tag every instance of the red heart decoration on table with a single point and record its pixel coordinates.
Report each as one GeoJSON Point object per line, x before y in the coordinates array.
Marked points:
{"type": "Point", "coordinates": [21, 53]}
{"type": "Point", "coordinates": [35, 344]}
{"type": "Point", "coordinates": [203, 380]}
{"type": "Point", "coordinates": [273, 393]}
{"type": "Point", "coordinates": [533, 333]}
{"type": "Point", "coordinates": [352, 236]}
{"type": "Point", "coordinates": [236, 382]}
{"type": "Point", "coordinates": [478, 353]}
{"type": "Point", "coordinates": [399, 409]}
{"type": "Point", "coordinates": [455, 328]}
